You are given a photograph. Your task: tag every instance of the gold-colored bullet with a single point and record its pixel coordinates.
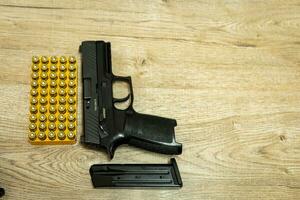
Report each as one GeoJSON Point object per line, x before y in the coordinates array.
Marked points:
{"type": "Point", "coordinates": [34, 100]}
{"type": "Point", "coordinates": [33, 109]}
{"type": "Point", "coordinates": [52, 109]}
{"type": "Point", "coordinates": [72, 83]}
{"type": "Point", "coordinates": [43, 109]}
{"type": "Point", "coordinates": [71, 92]}
{"type": "Point", "coordinates": [62, 100]}
{"type": "Point", "coordinates": [43, 100]}
{"type": "Point", "coordinates": [71, 118]}
{"type": "Point", "coordinates": [72, 67]}
{"type": "Point", "coordinates": [44, 84]}
{"type": "Point", "coordinates": [35, 59]}
{"type": "Point", "coordinates": [44, 59]}
{"type": "Point", "coordinates": [53, 83]}
{"type": "Point", "coordinates": [32, 127]}
{"type": "Point", "coordinates": [71, 100]}
{"type": "Point", "coordinates": [72, 59]}
{"type": "Point", "coordinates": [52, 126]}
{"type": "Point", "coordinates": [61, 109]}
{"type": "Point", "coordinates": [32, 135]}
{"type": "Point", "coordinates": [63, 59]}
{"type": "Point", "coordinates": [52, 100]}
{"type": "Point", "coordinates": [44, 92]}
{"type": "Point", "coordinates": [62, 75]}
{"type": "Point", "coordinates": [72, 109]}
{"type": "Point", "coordinates": [72, 75]}
{"type": "Point", "coordinates": [42, 135]}
{"type": "Point", "coordinates": [62, 84]}
{"type": "Point", "coordinates": [71, 126]}
{"type": "Point", "coordinates": [32, 118]}
{"type": "Point", "coordinates": [35, 75]}
{"type": "Point", "coordinates": [44, 67]}
{"type": "Point", "coordinates": [53, 59]}
{"type": "Point", "coordinates": [61, 126]}
{"type": "Point", "coordinates": [61, 135]}
{"type": "Point", "coordinates": [44, 75]}
{"type": "Point", "coordinates": [71, 135]}
{"type": "Point", "coordinates": [34, 92]}
{"type": "Point", "coordinates": [52, 118]}
{"type": "Point", "coordinates": [62, 68]}
{"type": "Point", "coordinates": [61, 118]}
{"type": "Point", "coordinates": [53, 75]}
{"type": "Point", "coordinates": [43, 118]}
{"type": "Point", "coordinates": [42, 126]}
{"type": "Point", "coordinates": [53, 92]}
{"type": "Point", "coordinates": [51, 135]}
{"type": "Point", "coordinates": [34, 83]}
{"type": "Point", "coordinates": [53, 68]}
{"type": "Point", "coordinates": [35, 67]}
{"type": "Point", "coordinates": [62, 92]}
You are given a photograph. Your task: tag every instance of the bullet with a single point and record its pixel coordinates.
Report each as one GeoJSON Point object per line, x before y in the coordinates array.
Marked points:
{"type": "Point", "coordinates": [43, 84]}
{"type": "Point", "coordinates": [51, 135]}
{"type": "Point", "coordinates": [44, 59]}
{"type": "Point", "coordinates": [72, 59]}
{"type": "Point", "coordinates": [43, 100]}
{"type": "Point", "coordinates": [53, 59]}
{"type": "Point", "coordinates": [52, 100]}
{"type": "Point", "coordinates": [63, 59]}
{"type": "Point", "coordinates": [44, 67]}
{"type": "Point", "coordinates": [32, 118]}
{"type": "Point", "coordinates": [52, 118]}
{"type": "Point", "coordinates": [61, 118]}
{"type": "Point", "coordinates": [42, 136]}
{"type": "Point", "coordinates": [71, 135]}
{"type": "Point", "coordinates": [62, 100]}
{"type": "Point", "coordinates": [42, 126]}
{"type": "Point", "coordinates": [53, 92]}
{"type": "Point", "coordinates": [72, 67]}
{"type": "Point", "coordinates": [35, 67]}
{"type": "Point", "coordinates": [34, 100]}
{"type": "Point", "coordinates": [71, 109]}
{"type": "Point", "coordinates": [33, 109]}
{"type": "Point", "coordinates": [44, 75]}
{"type": "Point", "coordinates": [72, 83]}
{"type": "Point", "coordinates": [44, 92]}
{"type": "Point", "coordinates": [71, 100]}
{"type": "Point", "coordinates": [71, 126]}
{"type": "Point", "coordinates": [71, 118]}
{"type": "Point", "coordinates": [34, 83]}
{"type": "Point", "coordinates": [71, 92]}
{"type": "Point", "coordinates": [62, 92]}
{"type": "Point", "coordinates": [61, 126]}
{"type": "Point", "coordinates": [52, 109]}
{"type": "Point", "coordinates": [53, 68]}
{"type": "Point", "coordinates": [32, 127]}
{"type": "Point", "coordinates": [53, 83]}
{"type": "Point", "coordinates": [43, 118]}
{"type": "Point", "coordinates": [53, 76]}
{"type": "Point", "coordinates": [52, 126]}
{"type": "Point", "coordinates": [62, 109]}
{"type": "Point", "coordinates": [62, 84]}
{"type": "Point", "coordinates": [31, 136]}
{"type": "Point", "coordinates": [62, 75]}
{"type": "Point", "coordinates": [61, 135]}
{"type": "Point", "coordinates": [72, 75]}
{"type": "Point", "coordinates": [34, 92]}
{"type": "Point", "coordinates": [43, 109]}
{"type": "Point", "coordinates": [35, 59]}
{"type": "Point", "coordinates": [35, 75]}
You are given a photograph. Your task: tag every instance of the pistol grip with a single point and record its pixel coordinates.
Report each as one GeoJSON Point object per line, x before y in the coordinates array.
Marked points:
{"type": "Point", "coordinates": [152, 133]}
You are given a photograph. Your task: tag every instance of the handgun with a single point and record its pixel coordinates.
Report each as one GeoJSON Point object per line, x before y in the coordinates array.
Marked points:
{"type": "Point", "coordinates": [105, 125]}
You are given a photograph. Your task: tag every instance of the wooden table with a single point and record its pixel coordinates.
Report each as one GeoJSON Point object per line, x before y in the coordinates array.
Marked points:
{"type": "Point", "coordinates": [228, 71]}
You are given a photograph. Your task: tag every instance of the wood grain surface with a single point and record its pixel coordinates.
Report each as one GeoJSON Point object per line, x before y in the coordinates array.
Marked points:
{"type": "Point", "coordinates": [228, 71]}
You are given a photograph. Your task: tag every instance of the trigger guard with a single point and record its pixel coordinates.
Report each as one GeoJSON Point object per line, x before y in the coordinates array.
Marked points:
{"type": "Point", "coordinates": [120, 100]}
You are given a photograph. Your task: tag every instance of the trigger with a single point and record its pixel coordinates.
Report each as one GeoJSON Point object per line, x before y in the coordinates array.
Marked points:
{"type": "Point", "coordinates": [120, 100]}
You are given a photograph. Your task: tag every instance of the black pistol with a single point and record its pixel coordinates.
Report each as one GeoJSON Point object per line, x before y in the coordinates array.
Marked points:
{"type": "Point", "coordinates": [105, 125]}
